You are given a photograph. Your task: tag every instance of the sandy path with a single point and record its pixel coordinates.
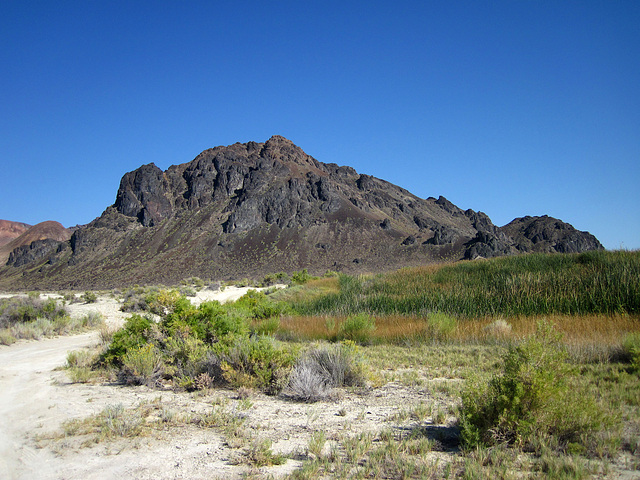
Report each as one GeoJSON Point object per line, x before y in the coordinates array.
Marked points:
{"type": "Point", "coordinates": [27, 400]}
{"type": "Point", "coordinates": [35, 398]}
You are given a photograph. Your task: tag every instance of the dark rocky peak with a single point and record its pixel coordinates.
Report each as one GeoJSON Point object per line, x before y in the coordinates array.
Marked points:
{"type": "Point", "coordinates": [280, 150]}
{"type": "Point", "coordinates": [142, 194]}
{"type": "Point", "coordinates": [480, 221]}
{"type": "Point", "coordinates": [448, 207]}
{"type": "Point", "coordinates": [548, 234]}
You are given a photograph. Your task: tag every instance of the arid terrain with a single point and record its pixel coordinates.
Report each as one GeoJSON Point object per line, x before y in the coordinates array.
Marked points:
{"type": "Point", "coordinates": [502, 368]}
{"type": "Point", "coordinates": [37, 398]}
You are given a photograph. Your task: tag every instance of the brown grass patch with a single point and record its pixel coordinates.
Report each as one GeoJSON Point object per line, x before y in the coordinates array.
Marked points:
{"type": "Point", "coordinates": [585, 331]}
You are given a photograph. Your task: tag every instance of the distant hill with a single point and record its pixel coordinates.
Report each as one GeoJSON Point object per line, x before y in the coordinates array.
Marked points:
{"type": "Point", "coordinates": [249, 209]}
{"type": "Point", "coordinates": [10, 230]}
{"type": "Point", "coordinates": [32, 239]}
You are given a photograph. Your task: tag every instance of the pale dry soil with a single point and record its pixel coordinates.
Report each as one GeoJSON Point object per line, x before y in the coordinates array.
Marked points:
{"type": "Point", "coordinates": [37, 398]}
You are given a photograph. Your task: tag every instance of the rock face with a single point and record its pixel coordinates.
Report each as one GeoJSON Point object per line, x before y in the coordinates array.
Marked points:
{"type": "Point", "coordinates": [256, 208]}
{"type": "Point", "coordinates": [547, 234]}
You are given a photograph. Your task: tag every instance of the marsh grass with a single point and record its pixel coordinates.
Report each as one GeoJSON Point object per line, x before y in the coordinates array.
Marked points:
{"type": "Point", "coordinates": [596, 336]}
{"type": "Point", "coordinates": [598, 282]}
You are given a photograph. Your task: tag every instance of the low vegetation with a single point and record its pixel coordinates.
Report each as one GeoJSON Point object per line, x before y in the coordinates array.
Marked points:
{"type": "Point", "coordinates": [597, 282]}
{"type": "Point", "coordinates": [535, 360]}
{"type": "Point", "coordinates": [32, 317]}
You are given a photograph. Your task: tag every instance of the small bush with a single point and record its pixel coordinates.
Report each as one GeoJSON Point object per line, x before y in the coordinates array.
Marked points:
{"type": "Point", "coordinates": [323, 368]}
{"type": "Point", "coordinates": [498, 328]}
{"type": "Point", "coordinates": [259, 454]}
{"type": "Point", "coordinates": [300, 277]}
{"type": "Point", "coordinates": [115, 421]}
{"type": "Point", "coordinates": [142, 366]}
{"type": "Point", "coordinates": [135, 333]}
{"type": "Point", "coordinates": [259, 362]}
{"type": "Point", "coordinates": [6, 337]}
{"type": "Point", "coordinates": [357, 328]}
{"type": "Point", "coordinates": [532, 398]}
{"type": "Point", "coordinates": [89, 297]}
{"type": "Point", "coordinates": [631, 345]}
{"type": "Point", "coordinates": [24, 310]}
{"type": "Point", "coordinates": [441, 326]}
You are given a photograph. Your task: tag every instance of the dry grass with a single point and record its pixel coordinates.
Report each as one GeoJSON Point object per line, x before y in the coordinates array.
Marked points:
{"type": "Point", "coordinates": [579, 331]}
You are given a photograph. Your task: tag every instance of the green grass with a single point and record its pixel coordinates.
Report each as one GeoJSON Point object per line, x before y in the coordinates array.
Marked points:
{"type": "Point", "coordinates": [599, 282]}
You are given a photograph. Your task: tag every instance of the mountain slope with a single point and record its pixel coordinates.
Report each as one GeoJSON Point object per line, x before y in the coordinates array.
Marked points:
{"type": "Point", "coordinates": [256, 208]}
{"type": "Point", "coordinates": [10, 230]}
{"type": "Point", "coordinates": [33, 240]}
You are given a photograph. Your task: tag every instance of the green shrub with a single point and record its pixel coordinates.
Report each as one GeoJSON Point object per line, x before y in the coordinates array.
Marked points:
{"type": "Point", "coordinates": [631, 347]}
{"type": "Point", "coordinates": [142, 365]}
{"type": "Point", "coordinates": [532, 398]}
{"type": "Point", "coordinates": [185, 356]}
{"type": "Point", "coordinates": [6, 337]}
{"type": "Point", "coordinates": [256, 361]}
{"type": "Point", "coordinates": [24, 310]}
{"type": "Point", "coordinates": [135, 333]}
{"type": "Point", "coordinates": [258, 305]}
{"type": "Point", "coordinates": [89, 297]}
{"type": "Point", "coordinates": [441, 326]}
{"type": "Point", "coordinates": [357, 328]}
{"type": "Point", "coordinates": [301, 277]}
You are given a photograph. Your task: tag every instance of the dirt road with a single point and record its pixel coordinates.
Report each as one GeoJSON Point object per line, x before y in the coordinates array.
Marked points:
{"type": "Point", "coordinates": [30, 402]}
{"type": "Point", "coordinates": [37, 398]}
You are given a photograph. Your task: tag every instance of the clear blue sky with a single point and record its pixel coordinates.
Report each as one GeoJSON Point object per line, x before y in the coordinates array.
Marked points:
{"type": "Point", "coordinates": [515, 107]}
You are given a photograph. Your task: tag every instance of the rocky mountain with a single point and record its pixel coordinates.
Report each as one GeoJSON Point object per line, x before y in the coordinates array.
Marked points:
{"type": "Point", "coordinates": [249, 209]}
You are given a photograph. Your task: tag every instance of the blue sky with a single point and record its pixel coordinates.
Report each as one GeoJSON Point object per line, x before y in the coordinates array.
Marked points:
{"type": "Point", "coordinates": [518, 107]}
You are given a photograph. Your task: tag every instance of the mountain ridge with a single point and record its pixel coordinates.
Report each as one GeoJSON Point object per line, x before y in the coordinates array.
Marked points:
{"type": "Point", "coordinates": [249, 209]}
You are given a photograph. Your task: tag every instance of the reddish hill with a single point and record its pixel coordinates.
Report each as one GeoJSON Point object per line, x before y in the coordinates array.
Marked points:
{"type": "Point", "coordinates": [10, 230]}
{"type": "Point", "coordinates": [41, 231]}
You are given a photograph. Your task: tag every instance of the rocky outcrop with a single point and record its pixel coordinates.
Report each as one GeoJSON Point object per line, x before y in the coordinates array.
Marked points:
{"type": "Point", "coordinates": [249, 209]}
{"type": "Point", "coordinates": [33, 252]}
{"type": "Point", "coordinates": [548, 234]}
{"type": "Point", "coordinates": [142, 195]}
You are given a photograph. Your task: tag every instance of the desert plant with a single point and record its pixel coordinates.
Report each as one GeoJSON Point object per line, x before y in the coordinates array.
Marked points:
{"type": "Point", "coordinates": [441, 326]}
{"type": "Point", "coordinates": [257, 361]}
{"type": "Point", "coordinates": [357, 328]}
{"type": "Point", "coordinates": [532, 397]}
{"type": "Point", "coordinates": [23, 310]}
{"type": "Point", "coordinates": [323, 368]}
{"type": "Point", "coordinates": [89, 297]}
{"type": "Point", "coordinates": [115, 421]}
{"type": "Point", "coordinates": [631, 345]}
{"type": "Point", "coordinates": [259, 454]}
{"type": "Point", "coordinates": [301, 277]}
{"type": "Point", "coordinates": [135, 333]}
{"type": "Point", "coordinates": [142, 366]}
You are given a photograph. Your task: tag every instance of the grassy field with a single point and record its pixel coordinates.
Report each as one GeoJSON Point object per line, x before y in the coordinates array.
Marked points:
{"type": "Point", "coordinates": [533, 362]}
